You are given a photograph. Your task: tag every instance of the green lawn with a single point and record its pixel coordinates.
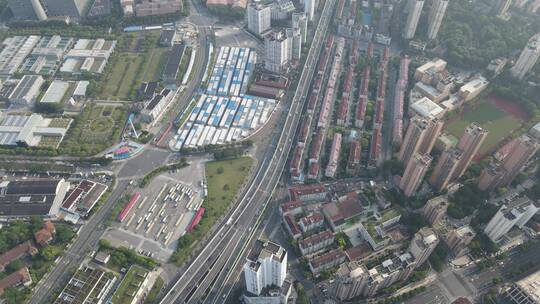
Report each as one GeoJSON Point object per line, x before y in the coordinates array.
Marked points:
{"type": "Point", "coordinates": [156, 64]}
{"type": "Point", "coordinates": [499, 124]}
{"type": "Point", "coordinates": [129, 285]}
{"type": "Point", "coordinates": [124, 77]}
{"type": "Point", "coordinates": [95, 129]}
{"type": "Point", "coordinates": [224, 180]}
{"type": "Point", "coordinates": [138, 59]}
{"type": "Point", "coordinates": [154, 292]}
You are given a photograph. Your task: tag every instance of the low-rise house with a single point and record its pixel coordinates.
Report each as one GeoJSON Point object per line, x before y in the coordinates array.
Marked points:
{"type": "Point", "coordinates": [291, 207]}
{"type": "Point", "coordinates": [316, 242]}
{"type": "Point", "coordinates": [88, 285]}
{"type": "Point", "coordinates": [155, 108]}
{"type": "Point", "coordinates": [308, 193]}
{"type": "Point", "coordinates": [17, 252]}
{"type": "Point", "coordinates": [311, 222]}
{"type": "Point", "coordinates": [19, 277]}
{"type": "Point", "coordinates": [327, 260]}
{"type": "Point", "coordinates": [292, 226]}
{"type": "Point", "coordinates": [46, 234]}
{"type": "Point", "coordinates": [339, 213]}
{"type": "Point", "coordinates": [102, 257]}
{"type": "Point", "coordinates": [26, 91]}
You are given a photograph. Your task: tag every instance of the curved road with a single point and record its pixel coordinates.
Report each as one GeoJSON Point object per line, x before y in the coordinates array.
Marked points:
{"type": "Point", "coordinates": [92, 231]}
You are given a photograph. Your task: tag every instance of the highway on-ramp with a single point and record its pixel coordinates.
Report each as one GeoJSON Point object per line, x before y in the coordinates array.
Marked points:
{"type": "Point", "coordinates": [218, 260]}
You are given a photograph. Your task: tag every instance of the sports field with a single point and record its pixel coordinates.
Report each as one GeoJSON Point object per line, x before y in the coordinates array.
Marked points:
{"type": "Point", "coordinates": [492, 117]}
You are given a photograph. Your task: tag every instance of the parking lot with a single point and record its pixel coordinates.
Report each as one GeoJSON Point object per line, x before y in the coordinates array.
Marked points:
{"type": "Point", "coordinates": [162, 213]}
{"type": "Point", "coordinates": [165, 216]}
{"type": "Point", "coordinates": [235, 36]}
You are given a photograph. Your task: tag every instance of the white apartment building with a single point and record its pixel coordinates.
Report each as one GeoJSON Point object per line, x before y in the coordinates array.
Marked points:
{"type": "Point", "coordinates": [266, 266]}
{"type": "Point", "coordinates": [412, 19]}
{"type": "Point", "coordinates": [309, 8]}
{"type": "Point", "coordinates": [296, 43]}
{"type": "Point", "coordinates": [300, 23]}
{"type": "Point", "coordinates": [279, 50]}
{"type": "Point", "coordinates": [516, 213]}
{"type": "Point", "coordinates": [258, 18]}
{"type": "Point", "coordinates": [528, 57]}
{"type": "Point", "coordinates": [423, 244]}
{"type": "Point", "coordinates": [435, 18]}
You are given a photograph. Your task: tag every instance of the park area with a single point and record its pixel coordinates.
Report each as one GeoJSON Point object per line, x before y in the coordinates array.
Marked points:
{"type": "Point", "coordinates": [224, 179]}
{"type": "Point", "coordinates": [500, 117]}
{"type": "Point", "coordinates": [139, 59]}
{"type": "Point", "coordinates": [94, 130]}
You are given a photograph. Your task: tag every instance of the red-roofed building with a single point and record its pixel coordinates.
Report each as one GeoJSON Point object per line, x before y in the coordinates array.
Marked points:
{"type": "Point", "coordinates": [353, 162]}
{"type": "Point", "coordinates": [333, 160]}
{"type": "Point", "coordinates": [313, 171]}
{"type": "Point", "coordinates": [17, 252]}
{"type": "Point", "coordinates": [312, 221]}
{"type": "Point", "coordinates": [375, 148]}
{"type": "Point", "coordinates": [358, 252]}
{"type": "Point", "coordinates": [304, 130]}
{"type": "Point", "coordinates": [312, 101]}
{"type": "Point", "coordinates": [292, 226]}
{"type": "Point", "coordinates": [338, 213]}
{"type": "Point", "coordinates": [308, 193]}
{"type": "Point", "coordinates": [46, 234]}
{"type": "Point", "coordinates": [505, 150]}
{"type": "Point", "coordinates": [316, 146]}
{"type": "Point", "coordinates": [327, 260]}
{"type": "Point", "coordinates": [296, 163]}
{"type": "Point", "coordinates": [316, 242]}
{"type": "Point", "coordinates": [343, 111]}
{"type": "Point", "coordinates": [19, 277]}
{"type": "Point", "coordinates": [83, 197]}
{"type": "Point", "coordinates": [291, 207]}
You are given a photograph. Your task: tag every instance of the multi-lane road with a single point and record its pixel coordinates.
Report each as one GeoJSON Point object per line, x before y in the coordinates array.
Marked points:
{"type": "Point", "coordinates": [222, 254]}
{"type": "Point", "coordinates": [218, 261]}
{"type": "Point", "coordinates": [88, 237]}
{"type": "Point", "coordinates": [91, 232]}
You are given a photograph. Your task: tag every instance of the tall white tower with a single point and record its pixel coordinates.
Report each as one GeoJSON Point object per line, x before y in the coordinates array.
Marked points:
{"type": "Point", "coordinates": [279, 49]}
{"type": "Point", "coordinates": [266, 265]}
{"type": "Point", "coordinates": [412, 18]}
{"type": "Point", "coordinates": [516, 213]}
{"type": "Point", "coordinates": [309, 8]}
{"type": "Point", "coordinates": [423, 244]}
{"type": "Point", "coordinates": [436, 15]}
{"type": "Point", "coordinates": [258, 18]}
{"type": "Point", "coordinates": [299, 22]}
{"type": "Point", "coordinates": [528, 57]}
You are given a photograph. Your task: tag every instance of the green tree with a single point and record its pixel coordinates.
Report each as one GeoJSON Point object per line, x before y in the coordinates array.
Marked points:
{"type": "Point", "coordinates": [302, 296]}
{"type": "Point", "coordinates": [13, 295]}
{"type": "Point", "coordinates": [50, 253]}
{"type": "Point", "coordinates": [36, 223]}
{"type": "Point", "coordinates": [119, 259]}
{"type": "Point", "coordinates": [63, 234]}
{"type": "Point", "coordinates": [14, 266]}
